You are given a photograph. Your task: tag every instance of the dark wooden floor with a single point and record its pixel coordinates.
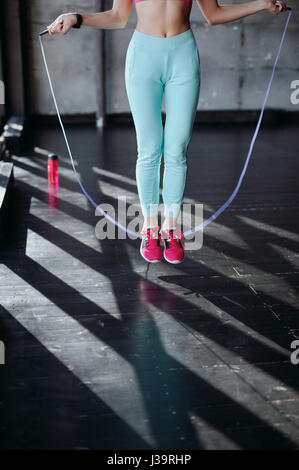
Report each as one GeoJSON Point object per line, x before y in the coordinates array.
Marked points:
{"type": "Point", "coordinates": [103, 353]}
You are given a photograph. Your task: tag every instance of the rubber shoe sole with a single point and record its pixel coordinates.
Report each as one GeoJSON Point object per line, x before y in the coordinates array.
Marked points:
{"type": "Point", "coordinates": [172, 262]}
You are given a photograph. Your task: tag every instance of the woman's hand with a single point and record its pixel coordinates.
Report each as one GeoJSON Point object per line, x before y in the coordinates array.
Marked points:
{"type": "Point", "coordinates": [275, 7]}
{"type": "Point", "coordinates": [62, 24]}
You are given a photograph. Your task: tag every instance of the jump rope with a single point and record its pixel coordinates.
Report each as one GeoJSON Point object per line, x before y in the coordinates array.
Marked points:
{"type": "Point", "coordinates": [216, 214]}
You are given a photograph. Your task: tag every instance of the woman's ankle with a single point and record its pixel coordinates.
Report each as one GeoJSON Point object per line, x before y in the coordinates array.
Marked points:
{"type": "Point", "coordinates": [146, 226]}
{"type": "Point", "coordinates": [169, 223]}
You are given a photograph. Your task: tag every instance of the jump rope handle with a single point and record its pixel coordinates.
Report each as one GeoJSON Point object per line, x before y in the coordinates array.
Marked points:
{"type": "Point", "coordinates": [43, 32]}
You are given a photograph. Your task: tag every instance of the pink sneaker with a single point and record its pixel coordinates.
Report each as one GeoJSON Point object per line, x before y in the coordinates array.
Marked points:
{"type": "Point", "coordinates": [150, 248]}
{"type": "Point", "coordinates": [173, 241]}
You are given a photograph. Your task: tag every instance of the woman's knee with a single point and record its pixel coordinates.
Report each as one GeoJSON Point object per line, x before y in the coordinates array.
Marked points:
{"type": "Point", "coordinates": [149, 156]}
{"type": "Point", "coordinates": [176, 157]}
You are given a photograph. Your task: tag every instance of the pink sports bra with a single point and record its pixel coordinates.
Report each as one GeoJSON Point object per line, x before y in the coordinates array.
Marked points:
{"type": "Point", "coordinates": [188, 1]}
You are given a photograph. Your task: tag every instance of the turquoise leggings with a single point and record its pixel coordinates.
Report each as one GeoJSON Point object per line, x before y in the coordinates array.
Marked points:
{"type": "Point", "coordinates": [157, 66]}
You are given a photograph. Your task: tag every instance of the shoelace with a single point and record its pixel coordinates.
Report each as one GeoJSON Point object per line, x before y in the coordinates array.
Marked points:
{"type": "Point", "coordinates": [150, 234]}
{"type": "Point", "coordinates": [174, 236]}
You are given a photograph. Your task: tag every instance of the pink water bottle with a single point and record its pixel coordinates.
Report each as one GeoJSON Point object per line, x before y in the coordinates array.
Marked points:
{"type": "Point", "coordinates": [53, 168]}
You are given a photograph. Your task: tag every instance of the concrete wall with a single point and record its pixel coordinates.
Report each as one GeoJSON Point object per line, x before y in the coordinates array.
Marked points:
{"type": "Point", "coordinates": [73, 60]}
{"type": "Point", "coordinates": [236, 61]}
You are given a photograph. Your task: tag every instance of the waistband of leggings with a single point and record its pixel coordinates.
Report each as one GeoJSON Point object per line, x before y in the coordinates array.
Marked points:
{"type": "Point", "coordinates": [163, 43]}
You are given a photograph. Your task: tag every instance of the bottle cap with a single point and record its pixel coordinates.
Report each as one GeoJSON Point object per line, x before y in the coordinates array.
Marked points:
{"type": "Point", "coordinates": [52, 156]}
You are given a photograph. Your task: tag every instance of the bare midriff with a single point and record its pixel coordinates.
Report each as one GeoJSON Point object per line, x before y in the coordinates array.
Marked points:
{"type": "Point", "coordinates": [163, 18]}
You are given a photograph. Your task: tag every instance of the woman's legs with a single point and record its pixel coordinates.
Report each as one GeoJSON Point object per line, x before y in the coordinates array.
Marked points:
{"type": "Point", "coordinates": [145, 94]}
{"type": "Point", "coordinates": [181, 98]}
{"type": "Point", "coordinates": [153, 66]}
{"type": "Point", "coordinates": [149, 129]}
